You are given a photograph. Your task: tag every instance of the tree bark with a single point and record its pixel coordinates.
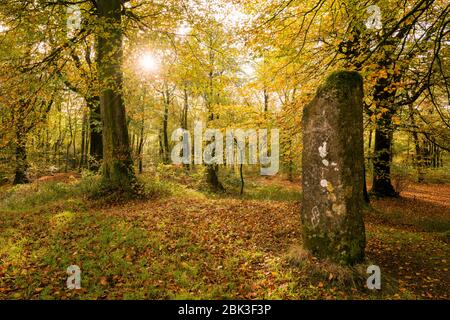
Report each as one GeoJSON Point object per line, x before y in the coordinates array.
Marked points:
{"type": "Point", "coordinates": [140, 148]}
{"type": "Point", "coordinates": [212, 170]}
{"type": "Point", "coordinates": [166, 159]}
{"type": "Point", "coordinates": [418, 159]}
{"type": "Point", "coordinates": [83, 142]}
{"type": "Point", "coordinates": [382, 184]}
{"type": "Point", "coordinates": [384, 97]}
{"type": "Point", "coordinates": [95, 133]}
{"type": "Point", "coordinates": [184, 118]}
{"type": "Point", "coordinates": [212, 177]}
{"type": "Point", "coordinates": [118, 171]}
{"type": "Point", "coordinates": [266, 100]}
{"type": "Point", "coordinates": [20, 176]}
{"type": "Point", "coordinates": [161, 144]}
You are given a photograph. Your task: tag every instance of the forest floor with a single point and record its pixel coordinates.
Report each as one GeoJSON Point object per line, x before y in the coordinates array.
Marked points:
{"type": "Point", "coordinates": [190, 245]}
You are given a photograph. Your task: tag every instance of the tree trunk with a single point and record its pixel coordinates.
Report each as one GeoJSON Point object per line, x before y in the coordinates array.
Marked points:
{"type": "Point", "coordinates": [266, 101]}
{"type": "Point", "coordinates": [382, 157]}
{"type": "Point", "coordinates": [66, 167]}
{"type": "Point", "coordinates": [384, 97]}
{"type": "Point", "coordinates": [212, 177]}
{"type": "Point", "coordinates": [212, 170]}
{"type": "Point", "coordinates": [418, 158]}
{"type": "Point", "coordinates": [140, 148]}
{"type": "Point", "coordinates": [83, 142]}
{"type": "Point", "coordinates": [382, 184]}
{"type": "Point", "coordinates": [161, 145]}
{"type": "Point", "coordinates": [184, 120]}
{"type": "Point", "coordinates": [241, 174]}
{"type": "Point", "coordinates": [365, 192]}
{"type": "Point", "coordinates": [95, 133]}
{"type": "Point", "coordinates": [166, 159]}
{"type": "Point", "coordinates": [133, 141]}
{"type": "Point", "coordinates": [71, 139]}
{"type": "Point", "coordinates": [418, 161]}
{"type": "Point", "coordinates": [290, 161]}
{"type": "Point", "coordinates": [20, 176]}
{"type": "Point", "coordinates": [74, 144]}
{"type": "Point", "coordinates": [369, 163]}
{"type": "Point", "coordinates": [118, 171]}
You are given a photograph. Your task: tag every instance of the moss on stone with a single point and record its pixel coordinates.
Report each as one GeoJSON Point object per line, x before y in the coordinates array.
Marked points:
{"type": "Point", "coordinates": [332, 225]}
{"type": "Point", "coordinates": [345, 80]}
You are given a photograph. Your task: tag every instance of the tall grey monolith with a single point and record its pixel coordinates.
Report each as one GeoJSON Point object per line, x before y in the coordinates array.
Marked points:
{"type": "Point", "coordinates": [333, 170]}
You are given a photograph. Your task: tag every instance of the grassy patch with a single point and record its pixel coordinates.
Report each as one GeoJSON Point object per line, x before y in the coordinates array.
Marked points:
{"type": "Point", "coordinates": [37, 196]}
{"type": "Point", "coordinates": [183, 245]}
{"type": "Point", "coordinates": [256, 190]}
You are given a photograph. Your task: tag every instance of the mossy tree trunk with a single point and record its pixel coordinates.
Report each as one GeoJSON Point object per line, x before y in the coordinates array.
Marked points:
{"type": "Point", "coordinates": [118, 171]}
{"type": "Point", "coordinates": [95, 133]}
{"type": "Point", "coordinates": [184, 118]}
{"type": "Point", "coordinates": [333, 170]}
{"type": "Point", "coordinates": [384, 98]}
{"type": "Point", "coordinates": [83, 142]}
{"type": "Point", "coordinates": [29, 113]}
{"type": "Point", "coordinates": [212, 170]}
{"type": "Point", "coordinates": [382, 184]}
{"type": "Point", "coordinates": [384, 131]}
{"type": "Point", "coordinates": [20, 176]}
{"type": "Point", "coordinates": [140, 148]}
{"type": "Point", "coordinates": [165, 127]}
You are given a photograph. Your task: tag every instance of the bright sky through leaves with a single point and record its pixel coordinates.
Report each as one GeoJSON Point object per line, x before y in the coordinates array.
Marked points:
{"type": "Point", "coordinates": [148, 63]}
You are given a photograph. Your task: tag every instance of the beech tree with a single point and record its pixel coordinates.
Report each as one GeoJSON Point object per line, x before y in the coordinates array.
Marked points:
{"type": "Point", "coordinates": [118, 171]}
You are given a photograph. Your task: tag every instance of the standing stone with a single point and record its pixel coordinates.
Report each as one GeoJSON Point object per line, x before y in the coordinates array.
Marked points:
{"type": "Point", "coordinates": [333, 170]}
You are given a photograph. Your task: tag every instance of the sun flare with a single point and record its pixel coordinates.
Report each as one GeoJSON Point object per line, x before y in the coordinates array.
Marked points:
{"type": "Point", "coordinates": [148, 63]}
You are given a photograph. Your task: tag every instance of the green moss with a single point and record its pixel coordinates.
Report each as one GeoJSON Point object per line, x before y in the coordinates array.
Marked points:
{"type": "Point", "coordinates": [342, 80]}
{"type": "Point", "coordinates": [339, 248]}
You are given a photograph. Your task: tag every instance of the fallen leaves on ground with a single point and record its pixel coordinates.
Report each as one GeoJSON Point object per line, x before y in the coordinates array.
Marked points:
{"type": "Point", "coordinates": [194, 247]}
